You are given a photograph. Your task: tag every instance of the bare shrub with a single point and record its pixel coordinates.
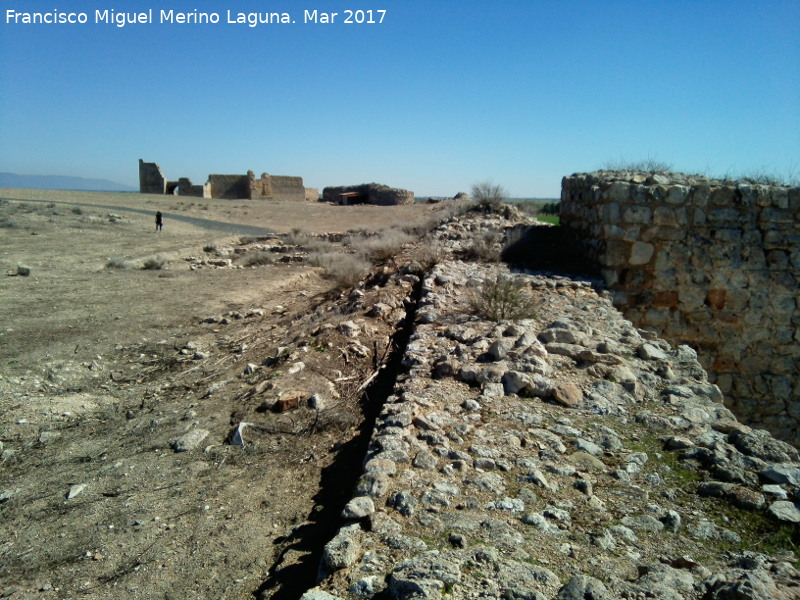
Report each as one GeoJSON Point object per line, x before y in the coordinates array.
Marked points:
{"type": "Point", "coordinates": [154, 263]}
{"type": "Point", "coordinates": [419, 229]}
{"type": "Point", "coordinates": [503, 299]}
{"type": "Point", "coordinates": [346, 270]}
{"type": "Point", "coordinates": [488, 195]}
{"type": "Point", "coordinates": [259, 258]}
{"type": "Point", "coordinates": [384, 246]}
{"type": "Point", "coordinates": [318, 246]}
{"type": "Point", "coordinates": [429, 255]}
{"type": "Point", "coordinates": [647, 165]}
{"type": "Point", "coordinates": [296, 237]}
{"type": "Point", "coordinates": [485, 246]}
{"type": "Point", "coordinates": [117, 262]}
{"type": "Point", "coordinates": [210, 249]}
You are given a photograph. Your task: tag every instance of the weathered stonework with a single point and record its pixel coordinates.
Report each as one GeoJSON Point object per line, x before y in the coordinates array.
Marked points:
{"type": "Point", "coordinates": [231, 187]}
{"type": "Point", "coordinates": [367, 193]}
{"type": "Point", "coordinates": [714, 264]}
{"type": "Point", "coordinates": [151, 180]}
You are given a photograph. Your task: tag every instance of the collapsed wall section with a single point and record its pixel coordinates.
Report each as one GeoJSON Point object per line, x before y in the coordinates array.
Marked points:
{"type": "Point", "coordinates": [715, 264]}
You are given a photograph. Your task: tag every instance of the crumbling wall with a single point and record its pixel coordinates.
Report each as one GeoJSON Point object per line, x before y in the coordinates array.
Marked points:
{"type": "Point", "coordinates": [312, 194]}
{"type": "Point", "coordinates": [288, 188]}
{"type": "Point", "coordinates": [715, 264]}
{"type": "Point", "coordinates": [229, 187]}
{"type": "Point", "coordinates": [367, 193]}
{"type": "Point", "coordinates": [276, 187]}
{"type": "Point", "coordinates": [151, 179]}
{"type": "Point", "coordinates": [261, 187]}
{"type": "Point", "coordinates": [187, 188]}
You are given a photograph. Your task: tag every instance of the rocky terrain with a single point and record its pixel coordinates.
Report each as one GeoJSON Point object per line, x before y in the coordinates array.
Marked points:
{"type": "Point", "coordinates": [562, 455]}
{"type": "Point", "coordinates": [447, 427]}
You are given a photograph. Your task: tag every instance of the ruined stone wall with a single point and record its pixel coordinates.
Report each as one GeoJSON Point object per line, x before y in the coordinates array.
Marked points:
{"type": "Point", "coordinates": [276, 187]}
{"type": "Point", "coordinates": [230, 187]}
{"type": "Point", "coordinates": [312, 194]}
{"type": "Point", "coordinates": [371, 193]}
{"type": "Point", "coordinates": [288, 188]}
{"type": "Point", "coordinates": [187, 188]}
{"type": "Point", "coordinates": [151, 179]}
{"type": "Point", "coordinates": [391, 196]}
{"type": "Point", "coordinates": [261, 187]}
{"type": "Point", "coordinates": [711, 263]}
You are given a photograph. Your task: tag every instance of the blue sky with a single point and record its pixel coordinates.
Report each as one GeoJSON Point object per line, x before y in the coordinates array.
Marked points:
{"type": "Point", "coordinates": [440, 95]}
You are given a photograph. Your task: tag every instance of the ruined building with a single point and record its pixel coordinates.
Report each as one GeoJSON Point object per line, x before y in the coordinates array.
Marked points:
{"type": "Point", "coordinates": [230, 187]}
{"type": "Point", "coordinates": [367, 193]}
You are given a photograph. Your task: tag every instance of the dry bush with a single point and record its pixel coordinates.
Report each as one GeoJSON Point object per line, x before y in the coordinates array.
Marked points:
{"type": "Point", "coordinates": [648, 165]}
{"type": "Point", "coordinates": [154, 263]}
{"type": "Point", "coordinates": [420, 229]}
{"type": "Point", "coordinates": [429, 255]}
{"type": "Point", "coordinates": [488, 195]}
{"type": "Point", "coordinates": [346, 270]}
{"type": "Point", "coordinates": [485, 246]}
{"type": "Point", "coordinates": [382, 247]}
{"type": "Point", "coordinates": [258, 258]}
{"type": "Point", "coordinates": [117, 262]}
{"type": "Point", "coordinates": [297, 237]}
{"type": "Point", "coordinates": [503, 299]}
{"type": "Point", "coordinates": [318, 246]}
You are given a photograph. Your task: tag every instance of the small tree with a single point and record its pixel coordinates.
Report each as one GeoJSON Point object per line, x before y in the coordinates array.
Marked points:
{"type": "Point", "coordinates": [488, 195]}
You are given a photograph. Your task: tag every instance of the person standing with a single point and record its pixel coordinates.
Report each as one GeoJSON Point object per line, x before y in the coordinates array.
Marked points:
{"type": "Point", "coordinates": [159, 221]}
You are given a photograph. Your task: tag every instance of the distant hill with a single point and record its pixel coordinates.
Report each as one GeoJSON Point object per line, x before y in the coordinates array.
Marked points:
{"type": "Point", "coordinates": [61, 182]}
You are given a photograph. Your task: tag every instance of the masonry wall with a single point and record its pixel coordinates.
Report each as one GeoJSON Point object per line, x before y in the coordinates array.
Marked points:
{"type": "Point", "coordinates": [373, 193]}
{"type": "Point", "coordinates": [711, 263]}
{"type": "Point", "coordinates": [187, 188]}
{"type": "Point", "coordinates": [151, 179]}
{"type": "Point", "coordinates": [288, 188]}
{"type": "Point", "coordinates": [231, 187]}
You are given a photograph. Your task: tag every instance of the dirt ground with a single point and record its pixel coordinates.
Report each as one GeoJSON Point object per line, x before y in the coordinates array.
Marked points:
{"type": "Point", "coordinates": [122, 344]}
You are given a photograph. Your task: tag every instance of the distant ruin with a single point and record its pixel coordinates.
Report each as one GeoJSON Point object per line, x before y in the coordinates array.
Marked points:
{"type": "Point", "coordinates": [711, 263]}
{"type": "Point", "coordinates": [367, 193]}
{"type": "Point", "coordinates": [226, 187]}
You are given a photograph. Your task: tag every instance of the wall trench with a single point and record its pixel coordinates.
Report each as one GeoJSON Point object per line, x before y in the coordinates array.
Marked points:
{"type": "Point", "coordinates": [339, 479]}
{"type": "Point", "coordinates": [710, 263]}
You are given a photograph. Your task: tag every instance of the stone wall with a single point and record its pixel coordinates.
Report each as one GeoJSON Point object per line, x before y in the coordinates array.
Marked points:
{"type": "Point", "coordinates": [714, 264]}
{"type": "Point", "coordinates": [151, 180]}
{"type": "Point", "coordinates": [232, 187]}
{"type": "Point", "coordinates": [367, 193]}
{"type": "Point", "coordinates": [187, 188]}
{"type": "Point", "coordinates": [288, 188]}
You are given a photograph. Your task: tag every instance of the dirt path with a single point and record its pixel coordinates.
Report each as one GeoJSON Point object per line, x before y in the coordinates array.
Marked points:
{"type": "Point", "coordinates": [105, 371]}
{"type": "Point", "coordinates": [209, 224]}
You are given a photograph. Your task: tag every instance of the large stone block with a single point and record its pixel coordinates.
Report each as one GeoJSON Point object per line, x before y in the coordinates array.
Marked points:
{"type": "Point", "coordinates": [641, 253]}
{"type": "Point", "coordinates": [637, 214]}
{"type": "Point", "coordinates": [665, 216]}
